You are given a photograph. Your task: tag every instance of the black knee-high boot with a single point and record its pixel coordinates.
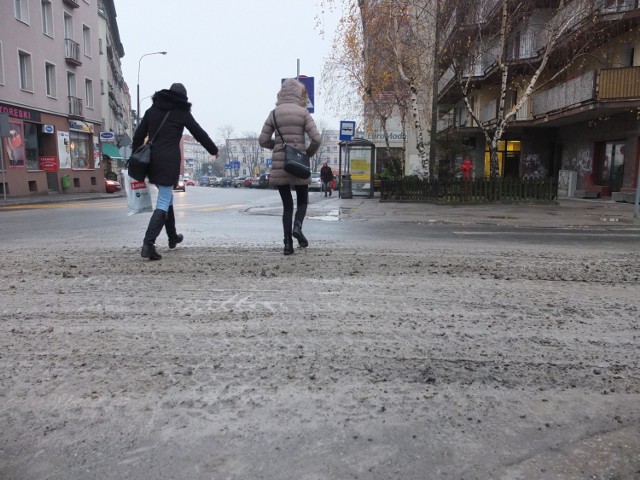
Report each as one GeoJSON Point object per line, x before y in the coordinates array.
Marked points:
{"type": "Point", "coordinates": [170, 227]}
{"type": "Point", "coordinates": [297, 233]}
{"type": "Point", "coordinates": [153, 230]}
{"type": "Point", "coordinates": [288, 245]}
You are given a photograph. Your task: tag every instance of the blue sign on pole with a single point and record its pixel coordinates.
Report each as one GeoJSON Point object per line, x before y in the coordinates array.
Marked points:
{"type": "Point", "coordinates": [308, 84]}
{"type": "Point", "coordinates": [268, 161]}
{"type": "Point", "coordinates": [347, 130]}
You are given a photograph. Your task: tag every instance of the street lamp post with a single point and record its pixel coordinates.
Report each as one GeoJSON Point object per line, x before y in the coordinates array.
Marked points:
{"type": "Point", "coordinates": [138, 85]}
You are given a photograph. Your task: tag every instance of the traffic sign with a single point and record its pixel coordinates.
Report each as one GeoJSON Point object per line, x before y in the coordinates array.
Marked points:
{"type": "Point", "coordinates": [347, 129]}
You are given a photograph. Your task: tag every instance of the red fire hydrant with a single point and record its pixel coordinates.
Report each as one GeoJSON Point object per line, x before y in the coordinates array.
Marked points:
{"type": "Point", "coordinates": [466, 168]}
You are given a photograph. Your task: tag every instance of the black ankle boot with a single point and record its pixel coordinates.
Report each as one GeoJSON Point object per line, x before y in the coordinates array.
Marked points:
{"type": "Point", "coordinates": [170, 227]}
{"type": "Point", "coordinates": [288, 245]}
{"type": "Point", "coordinates": [153, 230]}
{"type": "Point", "coordinates": [297, 233]}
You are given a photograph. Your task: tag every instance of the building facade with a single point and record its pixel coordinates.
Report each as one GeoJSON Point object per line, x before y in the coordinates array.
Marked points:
{"type": "Point", "coordinates": [116, 134]}
{"type": "Point", "coordinates": [582, 118]}
{"type": "Point", "coordinates": [195, 157]}
{"type": "Point", "coordinates": [50, 91]}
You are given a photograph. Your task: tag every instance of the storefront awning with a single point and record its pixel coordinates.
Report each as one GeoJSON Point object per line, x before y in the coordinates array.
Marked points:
{"type": "Point", "coordinates": [112, 151]}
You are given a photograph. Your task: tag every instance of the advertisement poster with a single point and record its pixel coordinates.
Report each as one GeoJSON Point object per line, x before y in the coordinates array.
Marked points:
{"type": "Point", "coordinates": [97, 156]}
{"type": "Point", "coordinates": [14, 145]}
{"type": "Point", "coordinates": [64, 150]}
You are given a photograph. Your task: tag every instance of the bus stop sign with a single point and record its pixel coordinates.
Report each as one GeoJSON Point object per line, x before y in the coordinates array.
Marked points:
{"type": "Point", "coordinates": [347, 129]}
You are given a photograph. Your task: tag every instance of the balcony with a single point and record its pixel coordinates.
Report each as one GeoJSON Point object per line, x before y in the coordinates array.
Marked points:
{"type": "Point", "coordinates": [481, 12]}
{"type": "Point", "coordinates": [489, 111]}
{"type": "Point", "coordinates": [71, 3]}
{"type": "Point", "coordinates": [525, 111]}
{"type": "Point", "coordinates": [564, 95]}
{"type": "Point", "coordinates": [75, 107]}
{"type": "Point", "coordinates": [618, 6]}
{"type": "Point", "coordinates": [72, 52]}
{"type": "Point", "coordinates": [619, 83]}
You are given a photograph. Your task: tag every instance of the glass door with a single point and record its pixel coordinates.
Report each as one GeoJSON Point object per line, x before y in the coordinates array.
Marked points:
{"type": "Point", "coordinates": [611, 166]}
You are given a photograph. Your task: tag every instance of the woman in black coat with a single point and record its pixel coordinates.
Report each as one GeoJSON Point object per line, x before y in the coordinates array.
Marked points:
{"type": "Point", "coordinates": [166, 158]}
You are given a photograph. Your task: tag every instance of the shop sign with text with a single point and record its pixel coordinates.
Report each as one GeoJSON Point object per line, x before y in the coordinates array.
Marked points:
{"type": "Point", "coordinates": [48, 163]}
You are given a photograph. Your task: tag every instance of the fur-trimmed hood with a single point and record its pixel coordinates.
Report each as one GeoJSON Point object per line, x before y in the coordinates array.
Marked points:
{"type": "Point", "coordinates": [169, 100]}
{"type": "Point", "coordinates": [292, 91]}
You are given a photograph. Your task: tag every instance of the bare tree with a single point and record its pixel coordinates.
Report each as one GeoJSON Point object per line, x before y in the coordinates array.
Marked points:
{"type": "Point", "coordinates": [412, 42]}
{"type": "Point", "coordinates": [325, 146]}
{"type": "Point", "coordinates": [384, 52]}
{"type": "Point", "coordinates": [252, 152]}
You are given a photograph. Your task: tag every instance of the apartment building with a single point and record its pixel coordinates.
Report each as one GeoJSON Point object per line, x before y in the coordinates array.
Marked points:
{"type": "Point", "coordinates": [246, 157]}
{"type": "Point", "coordinates": [117, 127]}
{"type": "Point", "coordinates": [582, 117]}
{"type": "Point", "coordinates": [195, 157]}
{"type": "Point", "coordinates": [50, 90]}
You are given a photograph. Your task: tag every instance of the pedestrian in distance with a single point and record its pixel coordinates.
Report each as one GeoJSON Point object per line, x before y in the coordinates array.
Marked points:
{"type": "Point", "coordinates": [164, 168]}
{"type": "Point", "coordinates": [294, 120]}
{"type": "Point", "coordinates": [326, 175]}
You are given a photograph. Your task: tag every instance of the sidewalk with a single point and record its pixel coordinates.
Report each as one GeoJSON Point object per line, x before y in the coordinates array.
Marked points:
{"type": "Point", "coordinates": [569, 213]}
{"type": "Point", "coordinates": [56, 198]}
{"type": "Point", "coordinates": [566, 213]}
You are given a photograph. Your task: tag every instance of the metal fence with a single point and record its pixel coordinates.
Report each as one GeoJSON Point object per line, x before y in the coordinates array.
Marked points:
{"type": "Point", "coordinates": [508, 190]}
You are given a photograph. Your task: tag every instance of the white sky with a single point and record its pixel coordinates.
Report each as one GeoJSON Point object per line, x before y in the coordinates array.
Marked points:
{"type": "Point", "coordinates": [230, 55]}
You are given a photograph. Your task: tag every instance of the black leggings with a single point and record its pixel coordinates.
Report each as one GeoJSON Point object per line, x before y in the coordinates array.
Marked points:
{"type": "Point", "coordinates": [302, 197]}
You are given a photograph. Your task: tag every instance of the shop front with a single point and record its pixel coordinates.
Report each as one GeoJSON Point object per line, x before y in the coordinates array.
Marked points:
{"type": "Point", "coordinates": [41, 150]}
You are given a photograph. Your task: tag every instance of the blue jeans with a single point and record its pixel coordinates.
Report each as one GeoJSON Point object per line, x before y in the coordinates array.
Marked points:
{"type": "Point", "coordinates": [165, 197]}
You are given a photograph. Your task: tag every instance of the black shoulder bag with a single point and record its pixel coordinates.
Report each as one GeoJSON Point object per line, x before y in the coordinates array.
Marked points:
{"type": "Point", "coordinates": [295, 162]}
{"type": "Point", "coordinates": [138, 162]}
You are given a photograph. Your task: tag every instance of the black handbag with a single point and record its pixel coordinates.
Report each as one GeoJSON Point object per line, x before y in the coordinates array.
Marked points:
{"type": "Point", "coordinates": [138, 162]}
{"type": "Point", "coordinates": [296, 163]}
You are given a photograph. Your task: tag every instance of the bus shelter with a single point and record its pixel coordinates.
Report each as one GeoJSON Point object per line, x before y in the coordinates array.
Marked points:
{"type": "Point", "coordinates": [356, 168]}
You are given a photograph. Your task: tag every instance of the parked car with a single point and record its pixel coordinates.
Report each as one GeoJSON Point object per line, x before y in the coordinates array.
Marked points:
{"type": "Point", "coordinates": [112, 186]}
{"type": "Point", "coordinates": [251, 182]}
{"type": "Point", "coordinates": [263, 181]}
{"type": "Point", "coordinates": [204, 181]}
{"type": "Point", "coordinates": [239, 181]}
{"type": "Point", "coordinates": [316, 182]}
{"type": "Point", "coordinates": [226, 182]}
{"type": "Point", "coordinates": [181, 185]}
{"type": "Point", "coordinates": [190, 183]}
{"type": "Point", "coordinates": [214, 181]}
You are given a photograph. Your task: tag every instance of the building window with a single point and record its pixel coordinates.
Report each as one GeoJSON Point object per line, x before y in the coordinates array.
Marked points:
{"type": "Point", "coordinates": [22, 10]}
{"type": "Point", "coordinates": [47, 18]}
{"type": "Point", "coordinates": [50, 79]}
{"type": "Point", "coordinates": [1, 66]}
{"type": "Point", "coordinates": [31, 145]}
{"type": "Point", "coordinates": [100, 50]}
{"type": "Point", "coordinates": [88, 92]}
{"type": "Point", "coordinates": [86, 38]}
{"type": "Point", "coordinates": [508, 159]}
{"type": "Point", "coordinates": [80, 151]}
{"type": "Point", "coordinates": [71, 84]}
{"type": "Point", "coordinates": [26, 71]}
{"type": "Point", "coordinates": [68, 26]}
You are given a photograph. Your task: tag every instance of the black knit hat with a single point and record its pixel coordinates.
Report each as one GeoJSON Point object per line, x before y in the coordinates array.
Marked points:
{"type": "Point", "coordinates": [178, 88]}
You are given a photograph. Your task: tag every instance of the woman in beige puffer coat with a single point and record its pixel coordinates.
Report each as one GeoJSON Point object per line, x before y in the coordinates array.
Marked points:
{"type": "Point", "coordinates": [294, 121]}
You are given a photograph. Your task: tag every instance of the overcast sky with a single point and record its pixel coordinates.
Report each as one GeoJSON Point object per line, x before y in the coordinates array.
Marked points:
{"type": "Point", "coordinates": [230, 55]}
